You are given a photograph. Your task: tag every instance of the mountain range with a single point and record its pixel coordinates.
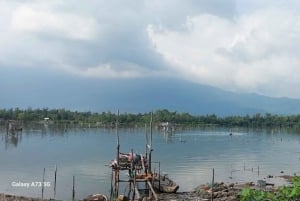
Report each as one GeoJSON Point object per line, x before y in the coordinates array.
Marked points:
{"type": "Point", "coordinates": [25, 89]}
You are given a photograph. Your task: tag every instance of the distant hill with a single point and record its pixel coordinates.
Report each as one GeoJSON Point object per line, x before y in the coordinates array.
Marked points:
{"type": "Point", "coordinates": [178, 95]}
{"type": "Point", "coordinates": [133, 95]}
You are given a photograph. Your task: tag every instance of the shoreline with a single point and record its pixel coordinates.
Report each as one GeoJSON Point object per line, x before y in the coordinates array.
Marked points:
{"type": "Point", "coordinates": [221, 191]}
{"type": "Point", "coordinates": [9, 197]}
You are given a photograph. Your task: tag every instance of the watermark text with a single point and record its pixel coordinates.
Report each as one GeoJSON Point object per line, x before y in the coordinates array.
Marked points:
{"type": "Point", "coordinates": [33, 184]}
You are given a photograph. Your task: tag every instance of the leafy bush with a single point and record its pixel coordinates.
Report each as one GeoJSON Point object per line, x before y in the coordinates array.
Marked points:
{"type": "Point", "coordinates": [285, 193]}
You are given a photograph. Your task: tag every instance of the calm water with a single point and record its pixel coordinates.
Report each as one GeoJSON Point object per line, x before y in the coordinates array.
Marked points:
{"type": "Point", "coordinates": [186, 156]}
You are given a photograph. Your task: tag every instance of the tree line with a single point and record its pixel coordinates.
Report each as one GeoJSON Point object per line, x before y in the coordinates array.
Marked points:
{"type": "Point", "coordinates": [164, 115]}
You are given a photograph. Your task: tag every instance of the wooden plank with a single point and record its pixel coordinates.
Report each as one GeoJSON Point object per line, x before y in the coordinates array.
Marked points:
{"type": "Point", "coordinates": [152, 190]}
{"type": "Point", "coordinates": [137, 193]}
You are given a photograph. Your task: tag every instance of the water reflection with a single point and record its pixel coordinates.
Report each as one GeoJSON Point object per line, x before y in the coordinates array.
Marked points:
{"type": "Point", "coordinates": [12, 139]}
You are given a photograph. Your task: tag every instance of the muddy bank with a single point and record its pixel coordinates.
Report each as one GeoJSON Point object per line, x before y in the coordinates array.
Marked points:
{"type": "Point", "coordinates": [6, 197]}
{"type": "Point", "coordinates": [228, 192]}
{"type": "Point", "coordinates": [219, 192]}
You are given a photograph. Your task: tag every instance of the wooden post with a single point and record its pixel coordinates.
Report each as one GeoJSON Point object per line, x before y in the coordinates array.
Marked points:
{"type": "Point", "coordinates": [257, 170]}
{"type": "Point", "coordinates": [55, 174]}
{"type": "Point", "coordinates": [150, 151]}
{"type": "Point", "coordinates": [117, 175]}
{"type": "Point", "coordinates": [159, 175]}
{"type": "Point", "coordinates": [152, 190]}
{"type": "Point", "coordinates": [132, 175]}
{"type": "Point", "coordinates": [138, 195]}
{"type": "Point", "coordinates": [134, 187]}
{"type": "Point", "coordinates": [43, 183]}
{"type": "Point", "coordinates": [73, 189]}
{"type": "Point", "coordinates": [111, 184]}
{"type": "Point", "coordinates": [129, 189]}
{"type": "Point", "coordinates": [212, 185]}
{"type": "Point", "coordinates": [146, 136]}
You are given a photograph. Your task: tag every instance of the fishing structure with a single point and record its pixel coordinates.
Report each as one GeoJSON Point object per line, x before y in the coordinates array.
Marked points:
{"type": "Point", "coordinates": [142, 183]}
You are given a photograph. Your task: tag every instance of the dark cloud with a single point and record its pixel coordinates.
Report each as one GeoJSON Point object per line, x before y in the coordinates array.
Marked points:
{"type": "Point", "coordinates": [119, 28]}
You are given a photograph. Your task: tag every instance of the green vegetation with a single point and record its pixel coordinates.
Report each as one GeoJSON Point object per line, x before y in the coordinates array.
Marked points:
{"type": "Point", "coordinates": [285, 193]}
{"type": "Point", "coordinates": [184, 119]}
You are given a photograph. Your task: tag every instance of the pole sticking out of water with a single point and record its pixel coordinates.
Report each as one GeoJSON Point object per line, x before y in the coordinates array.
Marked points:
{"type": "Point", "coordinates": [55, 173]}
{"type": "Point", "coordinates": [212, 185]}
{"type": "Point", "coordinates": [146, 140]}
{"type": "Point", "coordinates": [151, 121]}
{"type": "Point", "coordinates": [117, 131]}
{"type": "Point", "coordinates": [150, 144]}
{"type": "Point", "coordinates": [43, 183]}
{"type": "Point", "coordinates": [73, 189]}
{"type": "Point", "coordinates": [117, 176]}
{"type": "Point", "coordinates": [158, 174]}
{"type": "Point", "coordinates": [111, 184]}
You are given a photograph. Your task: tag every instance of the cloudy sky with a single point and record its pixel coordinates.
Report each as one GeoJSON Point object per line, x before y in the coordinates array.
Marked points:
{"type": "Point", "coordinates": [248, 46]}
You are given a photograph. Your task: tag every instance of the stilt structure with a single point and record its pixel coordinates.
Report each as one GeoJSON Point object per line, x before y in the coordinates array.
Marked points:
{"type": "Point", "coordinates": [139, 172]}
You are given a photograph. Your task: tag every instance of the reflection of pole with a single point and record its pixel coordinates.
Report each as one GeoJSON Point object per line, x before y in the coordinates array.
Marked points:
{"type": "Point", "coordinates": [7, 126]}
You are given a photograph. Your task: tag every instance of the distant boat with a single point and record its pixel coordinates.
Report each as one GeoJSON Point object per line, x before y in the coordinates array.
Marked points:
{"type": "Point", "coordinates": [164, 184]}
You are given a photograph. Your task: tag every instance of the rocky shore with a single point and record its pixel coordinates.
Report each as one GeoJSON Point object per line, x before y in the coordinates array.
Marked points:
{"type": "Point", "coordinates": [219, 192]}
{"type": "Point", "coordinates": [6, 197]}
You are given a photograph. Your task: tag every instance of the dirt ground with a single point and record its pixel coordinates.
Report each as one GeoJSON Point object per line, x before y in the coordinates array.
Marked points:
{"type": "Point", "coordinates": [219, 192]}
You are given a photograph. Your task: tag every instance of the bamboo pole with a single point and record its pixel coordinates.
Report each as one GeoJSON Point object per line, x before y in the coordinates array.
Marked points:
{"type": "Point", "coordinates": [43, 183]}
{"type": "Point", "coordinates": [146, 136]}
{"type": "Point", "coordinates": [138, 195]}
{"type": "Point", "coordinates": [55, 175]}
{"type": "Point", "coordinates": [132, 176]}
{"type": "Point", "coordinates": [159, 175]}
{"type": "Point", "coordinates": [143, 164]}
{"type": "Point", "coordinates": [150, 151]}
{"type": "Point", "coordinates": [152, 190]}
{"type": "Point", "coordinates": [117, 175]}
{"type": "Point", "coordinates": [111, 184]}
{"type": "Point", "coordinates": [129, 189]}
{"type": "Point", "coordinates": [134, 187]}
{"type": "Point", "coordinates": [212, 185]}
{"type": "Point", "coordinates": [73, 189]}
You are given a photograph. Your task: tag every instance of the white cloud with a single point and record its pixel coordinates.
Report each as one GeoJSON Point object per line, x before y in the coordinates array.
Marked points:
{"type": "Point", "coordinates": [35, 19]}
{"type": "Point", "coordinates": [108, 71]}
{"type": "Point", "coordinates": [252, 53]}
{"type": "Point", "coordinates": [119, 69]}
{"type": "Point", "coordinates": [209, 42]}
{"type": "Point", "coordinates": [43, 33]}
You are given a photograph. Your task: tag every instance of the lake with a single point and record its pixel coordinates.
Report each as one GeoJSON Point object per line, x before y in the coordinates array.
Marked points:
{"type": "Point", "coordinates": [187, 156]}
